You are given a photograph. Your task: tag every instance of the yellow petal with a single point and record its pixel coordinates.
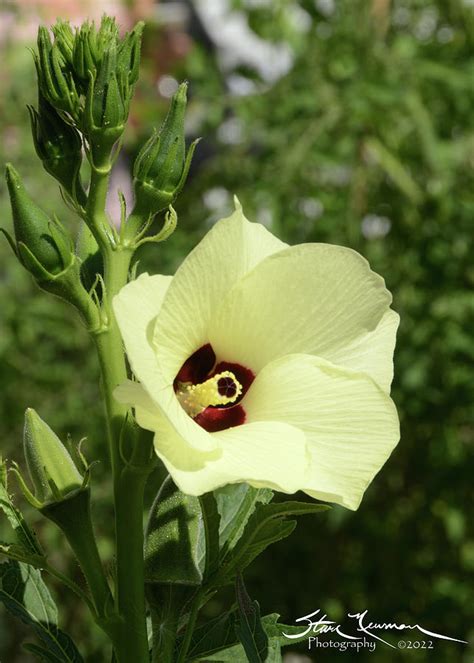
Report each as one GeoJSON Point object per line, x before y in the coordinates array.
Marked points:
{"type": "Point", "coordinates": [311, 298]}
{"type": "Point", "coordinates": [372, 352]}
{"type": "Point", "coordinates": [351, 425]}
{"type": "Point", "coordinates": [263, 454]}
{"type": "Point", "coordinates": [136, 307]}
{"type": "Point", "coordinates": [228, 251]}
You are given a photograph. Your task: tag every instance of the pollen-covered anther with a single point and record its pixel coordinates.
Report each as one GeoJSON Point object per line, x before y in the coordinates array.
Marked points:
{"type": "Point", "coordinates": [222, 389]}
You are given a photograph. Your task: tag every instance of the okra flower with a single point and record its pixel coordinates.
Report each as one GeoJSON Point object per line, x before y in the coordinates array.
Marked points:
{"type": "Point", "coordinates": [264, 363]}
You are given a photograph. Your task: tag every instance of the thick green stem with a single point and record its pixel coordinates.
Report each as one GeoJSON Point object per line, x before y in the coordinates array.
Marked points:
{"type": "Point", "coordinates": [96, 215]}
{"type": "Point", "coordinates": [130, 641]}
{"type": "Point", "coordinates": [131, 644]}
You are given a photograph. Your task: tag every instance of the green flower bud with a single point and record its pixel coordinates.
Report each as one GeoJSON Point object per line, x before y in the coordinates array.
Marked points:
{"type": "Point", "coordinates": [107, 103]}
{"type": "Point", "coordinates": [107, 34]}
{"type": "Point", "coordinates": [62, 494]}
{"type": "Point", "coordinates": [162, 165]}
{"type": "Point", "coordinates": [128, 56]}
{"type": "Point", "coordinates": [51, 468]}
{"type": "Point", "coordinates": [58, 145]}
{"type": "Point", "coordinates": [85, 55]}
{"type": "Point", "coordinates": [41, 244]}
{"type": "Point", "coordinates": [64, 38]}
{"type": "Point", "coordinates": [89, 48]}
{"type": "Point", "coordinates": [54, 76]}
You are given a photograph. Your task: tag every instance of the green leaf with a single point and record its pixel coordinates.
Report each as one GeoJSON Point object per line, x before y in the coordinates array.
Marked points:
{"type": "Point", "coordinates": [249, 627]}
{"type": "Point", "coordinates": [268, 524]}
{"type": "Point", "coordinates": [41, 653]}
{"type": "Point", "coordinates": [169, 603]}
{"type": "Point", "coordinates": [255, 543]}
{"type": "Point", "coordinates": [213, 636]}
{"type": "Point", "coordinates": [25, 596]}
{"type": "Point", "coordinates": [220, 644]}
{"type": "Point", "coordinates": [173, 544]}
{"type": "Point", "coordinates": [275, 631]}
{"type": "Point", "coordinates": [211, 519]}
{"type": "Point", "coordinates": [18, 553]}
{"type": "Point", "coordinates": [236, 503]}
{"type": "Point", "coordinates": [25, 537]}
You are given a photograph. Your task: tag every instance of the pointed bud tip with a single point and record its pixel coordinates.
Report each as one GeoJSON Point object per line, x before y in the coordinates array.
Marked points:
{"type": "Point", "coordinates": [138, 28]}
{"type": "Point", "coordinates": [12, 176]}
{"type": "Point", "coordinates": [181, 93]}
{"type": "Point", "coordinates": [43, 35]}
{"type": "Point", "coordinates": [30, 413]}
{"type": "Point", "coordinates": [32, 420]}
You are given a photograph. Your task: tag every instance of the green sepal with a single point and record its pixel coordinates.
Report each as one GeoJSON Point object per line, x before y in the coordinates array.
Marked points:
{"type": "Point", "coordinates": [62, 240]}
{"type": "Point", "coordinates": [66, 285]}
{"type": "Point", "coordinates": [33, 265]}
{"type": "Point", "coordinates": [169, 226]}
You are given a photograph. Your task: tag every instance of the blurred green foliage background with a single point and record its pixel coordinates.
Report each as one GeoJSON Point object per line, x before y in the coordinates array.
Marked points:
{"type": "Point", "coordinates": [367, 140]}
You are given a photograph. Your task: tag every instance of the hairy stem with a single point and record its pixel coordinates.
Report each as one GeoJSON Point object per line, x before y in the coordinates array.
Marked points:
{"type": "Point", "coordinates": [130, 641]}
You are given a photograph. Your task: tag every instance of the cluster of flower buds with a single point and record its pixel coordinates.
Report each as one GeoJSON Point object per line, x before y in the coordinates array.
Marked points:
{"type": "Point", "coordinates": [162, 164]}
{"type": "Point", "coordinates": [88, 76]}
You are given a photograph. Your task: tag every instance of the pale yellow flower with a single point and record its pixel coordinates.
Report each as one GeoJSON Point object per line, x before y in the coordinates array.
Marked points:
{"type": "Point", "coordinates": [264, 363]}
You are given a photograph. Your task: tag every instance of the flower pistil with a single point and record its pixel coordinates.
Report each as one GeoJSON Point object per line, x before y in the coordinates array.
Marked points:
{"type": "Point", "coordinates": [221, 389]}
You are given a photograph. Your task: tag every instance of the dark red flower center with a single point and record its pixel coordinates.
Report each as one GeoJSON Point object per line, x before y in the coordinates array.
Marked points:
{"type": "Point", "coordinates": [200, 367]}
